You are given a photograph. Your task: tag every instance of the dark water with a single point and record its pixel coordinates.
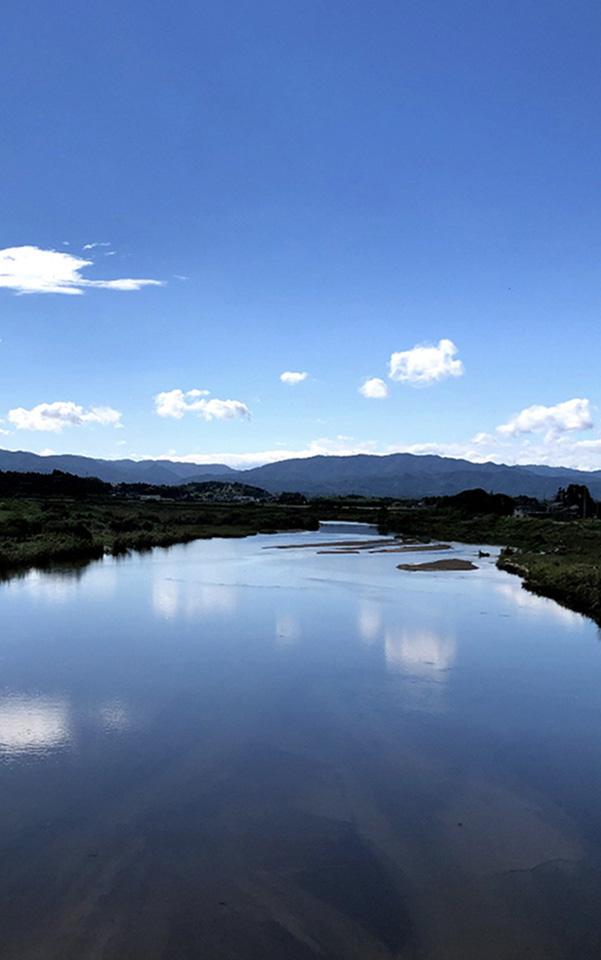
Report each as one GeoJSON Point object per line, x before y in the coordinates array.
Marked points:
{"type": "Point", "coordinates": [224, 751]}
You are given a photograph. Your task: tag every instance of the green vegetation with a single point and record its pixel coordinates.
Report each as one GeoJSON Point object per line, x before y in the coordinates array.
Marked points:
{"type": "Point", "coordinates": [50, 518]}
{"type": "Point", "coordinates": [558, 555]}
{"type": "Point", "coordinates": [88, 523]}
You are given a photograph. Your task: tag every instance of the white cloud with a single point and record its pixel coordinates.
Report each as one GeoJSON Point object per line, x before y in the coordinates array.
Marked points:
{"type": "Point", "coordinates": [484, 448]}
{"type": "Point", "coordinates": [53, 417]}
{"type": "Point", "coordinates": [32, 270]}
{"type": "Point", "coordinates": [175, 403]}
{"type": "Point", "coordinates": [90, 246]}
{"type": "Point", "coordinates": [340, 446]}
{"type": "Point", "coordinates": [553, 448]}
{"type": "Point", "coordinates": [374, 389]}
{"type": "Point", "coordinates": [567, 417]}
{"type": "Point", "coordinates": [424, 364]}
{"type": "Point", "coordinates": [557, 451]}
{"type": "Point", "coordinates": [292, 378]}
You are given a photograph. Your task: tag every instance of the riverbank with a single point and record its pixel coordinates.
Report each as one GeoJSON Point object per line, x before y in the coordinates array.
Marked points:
{"type": "Point", "coordinates": [560, 559]}
{"type": "Point", "coordinates": [557, 559]}
{"type": "Point", "coordinates": [39, 532]}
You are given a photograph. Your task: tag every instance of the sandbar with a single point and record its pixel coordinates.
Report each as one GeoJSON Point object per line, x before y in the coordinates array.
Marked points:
{"type": "Point", "coordinates": [451, 564]}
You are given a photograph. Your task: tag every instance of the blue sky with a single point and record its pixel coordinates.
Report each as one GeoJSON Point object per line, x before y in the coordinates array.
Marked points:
{"type": "Point", "coordinates": [398, 199]}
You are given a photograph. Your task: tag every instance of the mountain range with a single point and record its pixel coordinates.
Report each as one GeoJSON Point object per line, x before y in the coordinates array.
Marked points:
{"type": "Point", "coordinates": [395, 475]}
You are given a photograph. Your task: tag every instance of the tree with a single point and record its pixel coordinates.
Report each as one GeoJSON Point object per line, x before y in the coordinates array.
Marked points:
{"type": "Point", "coordinates": [577, 495]}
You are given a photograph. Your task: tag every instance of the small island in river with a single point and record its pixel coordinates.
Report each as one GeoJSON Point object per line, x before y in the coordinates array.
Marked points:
{"type": "Point", "coordinates": [451, 563]}
{"type": "Point", "coordinates": [554, 546]}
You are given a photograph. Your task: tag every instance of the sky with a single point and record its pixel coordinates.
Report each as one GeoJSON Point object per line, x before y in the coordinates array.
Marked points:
{"type": "Point", "coordinates": [242, 231]}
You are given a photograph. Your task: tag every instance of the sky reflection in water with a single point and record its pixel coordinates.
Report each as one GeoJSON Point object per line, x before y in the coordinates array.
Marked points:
{"type": "Point", "coordinates": [279, 697]}
{"type": "Point", "coordinates": [33, 726]}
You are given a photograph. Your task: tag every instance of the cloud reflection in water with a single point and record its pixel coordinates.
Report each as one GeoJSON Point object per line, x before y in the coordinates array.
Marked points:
{"type": "Point", "coordinates": [424, 658]}
{"type": "Point", "coordinates": [165, 598]}
{"type": "Point", "coordinates": [34, 726]}
{"type": "Point", "coordinates": [515, 593]}
{"type": "Point", "coordinates": [205, 597]}
{"type": "Point", "coordinates": [369, 620]}
{"type": "Point", "coordinates": [175, 598]}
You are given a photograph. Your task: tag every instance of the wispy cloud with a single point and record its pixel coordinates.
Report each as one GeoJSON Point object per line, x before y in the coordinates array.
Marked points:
{"type": "Point", "coordinates": [425, 364]}
{"type": "Point", "coordinates": [339, 446]}
{"type": "Point", "coordinates": [54, 417]}
{"type": "Point", "coordinates": [567, 417]}
{"type": "Point", "coordinates": [32, 270]}
{"type": "Point", "coordinates": [91, 246]}
{"type": "Point", "coordinates": [562, 451]}
{"type": "Point", "coordinates": [176, 403]}
{"type": "Point", "coordinates": [374, 389]}
{"type": "Point", "coordinates": [292, 378]}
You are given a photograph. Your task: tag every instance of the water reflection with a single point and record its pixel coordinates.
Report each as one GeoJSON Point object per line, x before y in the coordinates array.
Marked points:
{"type": "Point", "coordinates": [33, 725]}
{"type": "Point", "coordinates": [287, 630]}
{"type": "Point", "coordinates": [425, 658]}
{"type": "Point", "coordinates": [173, 598]}
{"type": "Point", "coordinates": [36, 726]}
{"type": "Point", "coordinates": [165, 598]}
{"type": "Point", "coordinates": [114, 717]}
{"type": "Point", "coordinates": [513, 591]}
{"type": "Point", "coordinates": [330, 727]}
{"type": "Point", "coordinates": [205, 597]}
{"type": "Point", "coordinates": [52, 587]}
{"type": "Point", "coordinates": [369, 620]}
{"type": "Point", "coordinates": [61, 584]}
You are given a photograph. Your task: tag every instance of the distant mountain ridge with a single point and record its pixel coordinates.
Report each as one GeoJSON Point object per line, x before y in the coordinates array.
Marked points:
{"type": "Point", "coordinates": [394, 475]}
{"type": "Point", "coordinates": [411, 475]}
{"type": "Point", "coordinates": [114, 471]}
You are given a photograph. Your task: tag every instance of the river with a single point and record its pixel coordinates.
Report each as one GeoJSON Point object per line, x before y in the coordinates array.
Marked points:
{"type": "Point", "coordinates": [230, 751]}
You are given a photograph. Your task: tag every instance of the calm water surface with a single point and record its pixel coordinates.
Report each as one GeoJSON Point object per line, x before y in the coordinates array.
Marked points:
{"type": "Point", "coordinates": [225, 751]}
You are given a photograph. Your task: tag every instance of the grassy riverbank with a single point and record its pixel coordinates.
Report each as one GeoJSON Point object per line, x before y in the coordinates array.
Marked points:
{"type": "Point", "coordinates": [38, 532]}
{"type": "Point", "coordinates": [560, 559]}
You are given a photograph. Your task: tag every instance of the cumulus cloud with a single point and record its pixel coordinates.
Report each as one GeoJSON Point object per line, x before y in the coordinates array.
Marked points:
{"type": "Point", "coordinates": [292, 378]}
{"type": "Point", "coordinates": [32, 270]}
{"type": "Point", "coordinates": [567, 417]}
{"type": "Point", "coordinates": [553, 447]}
{"type": "Point", "coordinates": [374, 389]}
{"type": "Point", "coordinates": [176, 403]}
{"type": "Point", "coordinates": [425, 364]}
{"type": "Point", "coordinates": [53, 417]}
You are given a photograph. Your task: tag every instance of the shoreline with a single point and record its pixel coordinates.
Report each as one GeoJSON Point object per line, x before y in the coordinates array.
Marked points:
{"type": "Point", "coordinates": [37, 533]}
{"type": "Point", "coordinates": [558, 560]}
